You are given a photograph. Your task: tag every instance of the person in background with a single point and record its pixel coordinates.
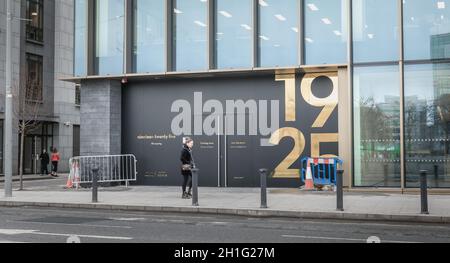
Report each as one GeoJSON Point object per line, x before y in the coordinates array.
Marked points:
{"type": "Point", "coordinates": [55, 159]}
{"type": "Point", "coordinates": [45, 160]}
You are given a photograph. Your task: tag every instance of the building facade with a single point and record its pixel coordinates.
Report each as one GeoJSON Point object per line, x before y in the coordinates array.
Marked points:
{"type": "Point", "coordinates": [266, 83]}
{"type": "Point", "coordinates": [42, 54]}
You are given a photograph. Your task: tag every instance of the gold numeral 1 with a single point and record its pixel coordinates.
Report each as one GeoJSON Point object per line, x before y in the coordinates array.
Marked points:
{"type": "Point", "coordinates": [290, 99]}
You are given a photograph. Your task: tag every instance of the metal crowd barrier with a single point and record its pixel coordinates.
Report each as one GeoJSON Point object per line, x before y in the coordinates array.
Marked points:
{"type": "Point", "coordinates": [323, 170]}
{"type": "Point", "coordinates": [111, 168]}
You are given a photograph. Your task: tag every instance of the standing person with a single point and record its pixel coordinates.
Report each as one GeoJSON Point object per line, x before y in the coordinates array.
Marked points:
{"type": "Point", "coordinates": [55, 160]}
{"type": "Point", "coordinates": [45, 160]}
{"type": "Point", "coordinates": [187, 163]}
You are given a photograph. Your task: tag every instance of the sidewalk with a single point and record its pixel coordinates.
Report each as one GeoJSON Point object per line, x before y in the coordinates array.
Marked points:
{"type": "Point", "coordinates": [28, 177]}
{"type": "Point", "coordinates": [242, 201]}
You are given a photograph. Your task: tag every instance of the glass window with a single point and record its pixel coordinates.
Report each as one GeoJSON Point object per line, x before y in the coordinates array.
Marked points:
{"type": "Point", "coordinates": [35, 24]}
{"type": "Point", "coordinates": [427, 29]}
{"type": "Point", "coordinates": [326, 31]}
{"type": "Point", "coordinates": [278, 33]}
{"type": "Point", "coordinates": [427, 123]}
{"type": "Point", "coordinates": [375, 30]}
{"type": "Point", "coordinates": [377, 126]}
{"type": "Point", "coordinates": [34, 80]}
{"type": "Point", "coordinates": [190, 34]}
{"type": "Point", "coordinates": [109, 36]}
{"type": "Point", "coordinates": [80, 66]}
{"type": "Point", "coordinates": [149, 36]}
{"type": "Point", "coordinates": [234, 30]}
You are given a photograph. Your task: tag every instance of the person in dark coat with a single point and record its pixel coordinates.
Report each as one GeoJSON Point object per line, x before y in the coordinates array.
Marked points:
{"type": "Point", "coordinates": [187, 163]}
{"type": "Point", "coordinates": [45, 160]}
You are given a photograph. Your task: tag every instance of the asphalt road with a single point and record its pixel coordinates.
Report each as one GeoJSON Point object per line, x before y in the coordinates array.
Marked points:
{"type": "Point", "coordinates": [58, 225]}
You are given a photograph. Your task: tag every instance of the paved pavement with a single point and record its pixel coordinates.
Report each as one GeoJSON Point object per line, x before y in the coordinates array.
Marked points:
{"type": "Point", "coordinates": [51, 225]}
{"type": "Point", "coordinates": [29, 177]}
{"type": "Point", "coordinates": [237, 201]}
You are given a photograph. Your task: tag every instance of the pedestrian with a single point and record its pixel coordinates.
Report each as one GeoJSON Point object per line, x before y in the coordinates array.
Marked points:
{"type": "Point", "coordinates": [55, 160]}
{"type": "Point", "coordinates": [187, 164]}
{"type": "Point", "coordinates": [45, 160]}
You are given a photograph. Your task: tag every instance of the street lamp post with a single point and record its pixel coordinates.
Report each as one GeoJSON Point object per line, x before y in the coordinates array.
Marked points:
{"type": "Point", "coordinates": [8, 104]}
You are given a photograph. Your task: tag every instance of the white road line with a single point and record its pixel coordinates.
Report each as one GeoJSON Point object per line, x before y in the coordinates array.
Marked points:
{"type": "Point", "coordinates": [345, 239]}
{"type": "Point", "coordinates": [85, 236]}
{"type": "Point", "coordinates": [36, 232]}
{"type": "Point", "coordinates": [127, 219]}
{"type": "Point", "coordinates": [65, 224]}
{"type": "Point", "coordinates": [408, 225]}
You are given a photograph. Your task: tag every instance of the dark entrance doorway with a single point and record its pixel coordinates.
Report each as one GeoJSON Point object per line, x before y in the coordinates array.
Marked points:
{"type": "Point", "coordinates": [35, 142]}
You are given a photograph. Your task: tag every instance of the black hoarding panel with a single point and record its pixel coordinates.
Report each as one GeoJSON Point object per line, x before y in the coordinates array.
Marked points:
{"type": "Point", "coordinates": [239, 125]}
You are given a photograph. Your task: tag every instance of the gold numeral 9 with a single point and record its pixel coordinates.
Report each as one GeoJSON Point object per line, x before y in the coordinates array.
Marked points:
{"type": "Point", "coordinates": [329, 103]}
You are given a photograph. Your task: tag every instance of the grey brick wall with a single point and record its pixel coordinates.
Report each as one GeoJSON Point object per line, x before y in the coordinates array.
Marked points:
{"type": "Point", "coordinates": [57, 51]}
{"type": "Point", "coordinates": [101, 117]}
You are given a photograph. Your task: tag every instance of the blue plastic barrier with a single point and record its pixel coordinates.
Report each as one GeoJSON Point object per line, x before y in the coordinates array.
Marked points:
{"type": "Point", "coordinates": [323, 170]}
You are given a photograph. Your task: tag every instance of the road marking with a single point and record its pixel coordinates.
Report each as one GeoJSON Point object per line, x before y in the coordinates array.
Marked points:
{"type": "Point", "coordinates": [36, 232]}
{"type": "Point", "coordinates": [85, 236]}
{"type": "Point", "coordinates": [65, 224]}
{"type": "Point", "coordinates": [11, 232]}
{"type": "Point", "coordinates": [127, 219]}
{"type": "Point", "coordinates": [345, 239]}
{"type": "Point", "coordinates": [407, 225]}
{"type": "Point", "coordinates": [10, 242]}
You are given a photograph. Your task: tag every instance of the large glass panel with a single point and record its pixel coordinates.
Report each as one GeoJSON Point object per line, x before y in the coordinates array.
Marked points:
{"type": "Point", "coordinates": [377, 126]}
{"type": "Point", "coordinates": [190, 34]}
{"type": "Point", "coordinates": [80, 66]}
{"type": "Point", "coordinates": [375, 30]}
{"type": "Point", "coordinates": [326, 31]}
{"type": "Point", "coordinates": [427, 29]}
{"type": "Point", "coordinates": [278, 33]}
{"type": "Point", "coordinates": [149, 36]}
{"type": "Point", "coordinates": [427, 123]}
{"type": "Point", "coordinates": [234, 29]}
{"type": "Point", "coordinates": [109, 39]}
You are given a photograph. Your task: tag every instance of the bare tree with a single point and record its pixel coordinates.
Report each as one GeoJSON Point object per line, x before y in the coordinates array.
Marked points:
{"type": "Point", "coordinates": [27, 104]}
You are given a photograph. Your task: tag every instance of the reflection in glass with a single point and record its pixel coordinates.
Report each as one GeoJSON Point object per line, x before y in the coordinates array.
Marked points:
{"type": "Point", "coordinates": [109, 36]}
{"type": "Point", "coordinates": [326, 31]}
{"type": "Point", "coordinates": [427, 29]}
{"type": "Point", "coordinates": [190, 34]}
{"type": "Point", "coordinates": [375, 30]}
{"type": "Point", "coordinates": [80, 66]}
{"type": "Point", "coordinates": [149, 36]}
{"type": "Point", "coordinates": [234, 29]}
{"type": "Point", "coordinates": [427, 123]}
{"type": "Point", "coordinates": [278, 33]}
{"type": "Point", "coordinates": [377, 126]}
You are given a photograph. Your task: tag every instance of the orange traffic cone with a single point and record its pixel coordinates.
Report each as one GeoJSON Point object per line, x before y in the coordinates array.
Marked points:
{"type": "Point", "coordinates": [69, 184]}
{"type": "Point", "coordinates": [309, 183]}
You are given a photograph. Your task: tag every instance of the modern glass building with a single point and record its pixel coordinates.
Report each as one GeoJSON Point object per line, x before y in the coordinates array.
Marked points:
{"type": "Point", "coordinates": [365, 80]}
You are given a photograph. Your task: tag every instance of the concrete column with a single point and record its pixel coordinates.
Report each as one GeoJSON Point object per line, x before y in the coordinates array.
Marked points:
{"type": "Point", "coordinates": [101, 117]}
{"type": "Point", "coordinates": [67, 112]}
